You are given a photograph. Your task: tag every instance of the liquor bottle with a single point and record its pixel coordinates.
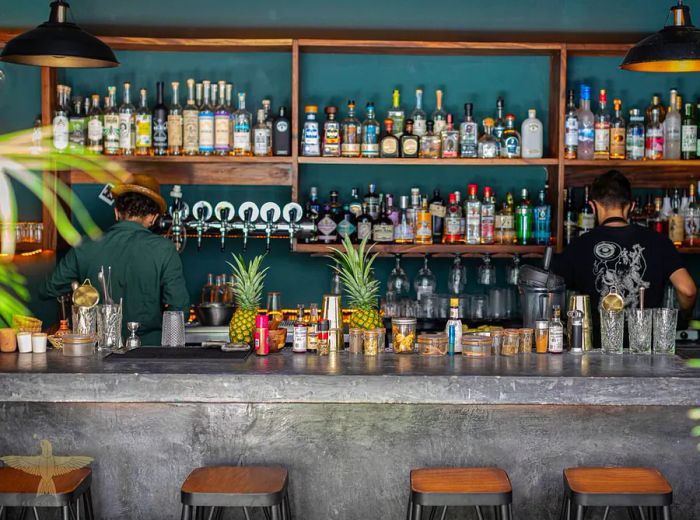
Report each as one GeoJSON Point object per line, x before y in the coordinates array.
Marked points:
{"type": "Point", "coordinates": [389, 145]}
{"type": "Point", "coordinates": [331, 133]}
{"type": "Point", "coordinates": [301, 331]}
{"type": "Point", "coordinates": [469, 134]}
{"type": "Point", "coordinates": [488, 147]}
{"type": "Point", "coordinates": [144, 125]}
{"type": "Point", "coordinates": [76, 127]}
{"type": "Point", "coordinates": [666, 208]}
{"type": "Point", "coordinates": [654, 146]}
{"type": "Point", "coordinates": [543, 221]}
{"type": "Point", "coordinates": [355, 203]}
{"type": "Point", "coordinates": [453, 329]}
{"type": "Point", "coordinates": [555, 340]}
{"type": "Point", "coordinates": [488, 217]}
{"type": "Point", "coordinates": [658, 221]}
{"type": "Point", "coordinates": [396, 113]}
{"type": "Point", "coordinates": [281, 134]}
{"type": "Point", "coordinates": [655, 104]}
{"type": "Point", "coordinates": [267, 109]}
{"type": "Point", "coordinates": [618, 129]}
{"type": "Point", "coordinates": [351, 133]}
{"type": "Point", "coordinates": [452, 233]}
{"type": "Point", "coordinates": [586, 131]}
{"type": "Point", "coordinates": [505, 221]}
{"type": "Point", "coordinates": [463, 218]}
{"type": "Point", "coordinates": [175, 121]}
{"type": "Point", "coordinates": [524, 220]}
{"type": "Point", "coordinates": [60, 121]}
{"type": "Point", "coordinates": [439, 117]}
{"type": "Point", "coordinates": [418, 115]}
{"type": "Point", "coordinates": [424, 224]}
{"type": "Point", "coordinates": [95, 131]}
{"type": "Point", "coordinates": [409, 141]}
{"type": "Point", "coordinates": [327, 225]}
{"type": "Point", "coordinates": [336, 207]}
{"type": "Point", "coordinates": [499, 124]}
{"type": "Point", "coordinates": [404, 231]}
{"type": "Point", "coordinates": [586, 217]}
{"type": "Point", "coordinates": [532, 136]}
{"type": "Point", "coordinates": [206, 122]}
{"type": "Point", "coordinates": [372, 200]}
{"type": "Point", "coordinates": [472, 216]}
{"type": "Point", "coordinates": [190, 122]}
{"type": "Point", "coordinates": [571, 128]}
{"type": "Point", "coordinates": [672, 130]}
{"type": "Point", "coordinates": [437, 213]}
{"type": "Point", "coordinates": [159, 122]}
{"type": "Point", "coordinates": [676, 221]}
{"type": "Point", "coordinates": [430, 143]}
{"type": "Point", "coordinates": [382, 226]}
{"type": "Point", "coordinates": [199, 87]}
{"type": "Point", "coordinates": [450, 140]}
{"type": "Point", "coordinates": [649, 208]}
{"type": "Point", "coordinates": [261, 136]}
{"type": "Point", "coordinates": [242, 125]}
{"type": "Point", "coordinates": [692, 219]}
{"type": "Point", "coordinates": [689, 133]}
{"type": "Point", "coordinates": [635, 136]}
{"type": "Point", "coordinates": [310, 142]}
{"type": "Point", "coordinates": [636, 214]}
{"type": "Point", "coordinates": [570, 220]}
{"type": "Point", "coordinates": [313, 209]}
{"type": "Point", "coordinates": [222, 122]}
{"type": "Point", "coordinates": [370, 134]}
{"type": "Point", "coordinates": [510, 139]}
{"type": "Point", "coordinates": [347, 227]}
{"type": "Point", "coordinates": [110, 123]}
{"type": "Point", "coordinates": [391, 211]}
{"type": "Point", "coordinates": [364, 224]}
{"type": "Point", "coordinates": [602, 128]}
{"type": "Point", "coordinates": [414, 206]}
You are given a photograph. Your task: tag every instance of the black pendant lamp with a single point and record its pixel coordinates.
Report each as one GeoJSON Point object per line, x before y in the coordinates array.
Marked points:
{"type": "Point", "coordinates": [675, 48]}
{"type": "Point", "coordinates": [58, 43]}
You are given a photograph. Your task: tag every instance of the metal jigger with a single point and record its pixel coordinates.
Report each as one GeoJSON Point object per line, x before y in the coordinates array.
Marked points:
{"type": "Point", "coordinates": [334, 315]}
{"type": "Point", "coordinates": [133, 341]}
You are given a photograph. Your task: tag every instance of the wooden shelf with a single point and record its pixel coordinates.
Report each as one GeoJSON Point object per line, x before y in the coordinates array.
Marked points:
{"type": "Point", "coordinates": [642, 174]}
{"type": "Point", "coordinates": [663, 164]}
{"type": "Point", "coordinates": [689, 250]}
{"type": "Point", "coordinates": [433, 250]}
{"type": "Point", "coordinates": [597, 49]}
{"type": "Point", "coordinates": [425, 47]}
{"type": "Point", "coordinates": [428, 162]}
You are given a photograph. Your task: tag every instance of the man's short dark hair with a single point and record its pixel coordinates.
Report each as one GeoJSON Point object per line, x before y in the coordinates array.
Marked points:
{"type": "Point", "coordinates": [136, 205]}
{"type": "Point", "coordinates": [611, 189]}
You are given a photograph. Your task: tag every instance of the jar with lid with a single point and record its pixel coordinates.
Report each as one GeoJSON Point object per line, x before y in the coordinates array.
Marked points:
{"type": "Point", "coordinates": [475, 345]}
{"type": "Point", "coordinates": [432, 344]}
{"type": "Point", "coordinates": [371, 342]}
{"type": "Point", "coordinates": [403, 335]}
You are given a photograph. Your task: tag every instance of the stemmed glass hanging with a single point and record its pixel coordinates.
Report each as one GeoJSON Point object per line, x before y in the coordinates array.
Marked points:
{"type": "Point", "coordinates": [513, 270]}
{"type": "Point", "coordinates": [398, 283]}
{"type": "Point", "coordinates": [425, 282]}
{"type": "Point", "coordinates": [457, 279]}
{"type": "Point", "coordinates": [487, 272]}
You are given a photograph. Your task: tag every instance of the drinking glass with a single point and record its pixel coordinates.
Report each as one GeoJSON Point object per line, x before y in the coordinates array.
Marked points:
{"type": "Point", "coordinates": [457, 279]}
{"type": "Point", "coordinates": [639, 326]}
{"type": "Point", "coordinates": [612, 328]}
{"type": "Point", "coordinates": [425, 282]}
{"type": "Point", "coordinates": [487, 272]}
{"type": "Point", "coordinates": [173, 329]}
{"type": "Point", "coordinates": [398, 282]}
{"type": "Point", "coordinates": [513, 270]}
{"type": "Point", "coordinates": [526, 340]}
{"type": "Point", "coordinates": [336, 284]}
{"type": "Point", "coordinates": [665, 330]}
{"type": "Point", "coordinates": [109, 326]}
{"type": "Point", "coordinates": [510, 344]}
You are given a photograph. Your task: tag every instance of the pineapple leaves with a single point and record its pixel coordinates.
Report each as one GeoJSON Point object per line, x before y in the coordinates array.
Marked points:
{"type": "Point", "coordinates": [354, 266]}
{"type": "Point", "coordinates": [248, 281]}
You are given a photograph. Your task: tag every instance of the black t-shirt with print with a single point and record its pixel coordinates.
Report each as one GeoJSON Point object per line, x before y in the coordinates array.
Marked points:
{"type": "Point", "coordinates": [622, 258]}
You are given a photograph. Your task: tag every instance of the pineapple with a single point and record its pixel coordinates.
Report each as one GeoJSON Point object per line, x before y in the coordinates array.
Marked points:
{"type": "Point", "coordinates": [355, 270]}
{"type": "Point", "coordinates": [247, 289]}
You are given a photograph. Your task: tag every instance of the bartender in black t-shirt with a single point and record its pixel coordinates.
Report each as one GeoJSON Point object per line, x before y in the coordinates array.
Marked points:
{"type": "Point", "coordinates": [619, 257]}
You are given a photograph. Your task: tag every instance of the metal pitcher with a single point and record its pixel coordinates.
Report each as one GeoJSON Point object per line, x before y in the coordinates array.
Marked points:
{"type": "Point", "coordinates": [582, 302]}
{"type": "Point", "coordinates": [332, 312]}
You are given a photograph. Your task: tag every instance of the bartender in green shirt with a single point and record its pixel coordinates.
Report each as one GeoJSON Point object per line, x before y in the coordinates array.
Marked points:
{"type": "Point", "coordinates": [146, 269]}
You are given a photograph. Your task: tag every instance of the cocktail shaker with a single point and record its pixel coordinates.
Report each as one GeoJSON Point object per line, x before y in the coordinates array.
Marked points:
{"type": "Point", "coordinates": [332, 312]}
{"type": "Point", "coordinates": [582, 302]}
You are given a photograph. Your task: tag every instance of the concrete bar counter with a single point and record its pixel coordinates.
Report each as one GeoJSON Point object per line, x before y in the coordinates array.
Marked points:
{"type": "Point", "coordinates": [350, 428]}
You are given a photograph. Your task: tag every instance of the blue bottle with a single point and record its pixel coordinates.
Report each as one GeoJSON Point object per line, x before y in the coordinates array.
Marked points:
{"type": "Point", "coordinates": [543, 221]}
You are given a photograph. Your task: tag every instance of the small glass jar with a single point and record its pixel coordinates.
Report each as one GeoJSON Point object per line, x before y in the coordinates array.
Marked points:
{"type": "Point", "coordinates": [371, 342]}
{"type": "Point", "coordinates": [355, 341]}
{"type": "Point", "coordinates": [511, 342]}
{"type": "Point", "coordinates": [541, 336]}
{"type": "Point", "coordinates": [496, 342]}
{"type": "Point", "coordinates": [526, 341]}
{"type": "Point", "coordinates": [432, 344]}
{"type": "Point", "coordinates": [474, 345]}
{"type": "Point", "coordinates": [382, 339]}
{"type": "Point", "coordinates": [403, 335]}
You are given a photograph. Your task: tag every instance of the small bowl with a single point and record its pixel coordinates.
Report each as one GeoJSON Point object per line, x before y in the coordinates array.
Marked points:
{"type": "Point", "coordinates": [76, 345]}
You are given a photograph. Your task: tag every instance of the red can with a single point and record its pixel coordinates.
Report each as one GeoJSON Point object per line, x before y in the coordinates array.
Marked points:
{"type": "Point", "coordinates": [262, 337]}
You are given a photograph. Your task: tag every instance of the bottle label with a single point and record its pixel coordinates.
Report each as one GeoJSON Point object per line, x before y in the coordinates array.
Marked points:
{"type": "Point", "coordinates": [383, 232]}
{"type": "Point", "coordinates": [439, 125]}
{"type": "Point", "coordinates": [398, 119]}
{"type": "Point", "coordinates": [174, 130]}
{"type": "Point", "coordinates": [453, 225]}
{"type": "Point", "coordinates": [450, 145]}
{"type": "Point", "coordinates": [473, 227]}
{"type": "Point", "coordinates": [299, 341]}
{"type": "Point", "coordinates": [390, 146]}
{"type": "Point", "coordinates": [111, 132]}
{"type": "Point", "coordinates": [635, 143]}
{"type": "Point", "coordinates": [190, 131]}
{"type": "Point", "coordinates": [403, 232]}
{"type": "Point", "coordinates": [556, 339]}
{"type": "Point", "coordinates": [370, 143]}
{"type": "Point", "coordinates": [241, 135]}
{"type": "Point", "coordinates": [143, 130]}
{"type": "Point", "coordinates": [346, 228]}
{"type": "Point", "coordinates": [469, 139]}
{"type": "Point", "coordinates": [617, 142]}
{"type": "Point", "coordinates": [424, 226]}
{"type": "Point", "coordinates": [602, 137]}
{"type": "Point", "coordinates": [571, 132]}
{"type": "Point", "coordinates": [260, 141]}
{"type": "Point", "coordinates": [419, 127]}
{"type": "Point", "coordinates": [364, 230]}
{"type": "Point", "coordinates": [585, 134]}
{"type": "Point", "coordinates": [511, 148]}
{"type": "Point", "coordinates": [655, 144]}
{"type": "Point", "coordinates": [125, 122]}
{"type": "Point", "coordinates": [311, 144]}
{"type": "Point", "coordinates": [326, 227]}
{"type": "Point", "coordinates": [95, 130]}
{"type": "Point", "coordinates": [487, 229]}
{"type": "Point", "coordinates": [689, 140]}
{"type": "Point", "coordinates": [410, 147]}
{"type": "Point", "coordinates": [160, 133]}
{"type": "Point", "coordinates": [676, 228]}
{"type": "Point", "coordinates": [438, 210]}
{"type": "Point", "coordinates": [222, 125]}
{"type": "Point", "coordinates": [692, 223]}
{"type": "Point", "coordinates": [60, 132]}
{"type": "Point", "coordinates": [76, 129]}
{"type": "Point", "coordinates": [206, 132]}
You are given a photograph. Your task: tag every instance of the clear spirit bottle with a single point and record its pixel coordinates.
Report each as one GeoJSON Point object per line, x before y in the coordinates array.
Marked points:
{"type": "Point", "coordinates": [488, 144]}
{"type": "Point", "coordinates": [689, 133]}
{"type": "Point", "coordinates": [692, 219]}
{"type": "Point", "coordinates": [351, 133]}
{"type": "Point", "coordinates": [635, 139]}
{"type": "Point", "coordinates": [222, 123]}
{"type": "Point", "coordinates": [144, 125]}
{"type": "Point", "coordinates": [175, 121]}
{"type": "Point", "coordinates": [570, 128]}
{"type": "Point", "coordinates": [418, 115]}
{"type": "Point", "coordinates": [310, 135]}
{"type": "Point", "coordinates": [364, 224]}
{"type": "Point", "coordinates": [261, 136]}
{"type": "Point", "coordinates": [439, 117]}
{"type": "Point", "coordinates": [206, 121]}
{"type": "Point", "coordinates": [331, 133]}
{"type": "Point", "coordinates": [404, 231]}
{"type": "Point", "coordinates": [110, 123]}
{"type": "Point", "coordinates": [430, 143]}
{"type": "Point", "coordinates": [510, 139]}
{"type": "Point", "coordinates": [76, 127]}
{"type": "Point", "coordinates": [618, 132]}
{"type": "Point", "coordinates": [452, 233]}
{"type": "Point", "coordinates": [488, 217]}
{"type": "Point", "coordinates": [601, 128]}
{"type": "Point", "coordinates": [410, 143]}
{"type": "Point", "coordinates": [95, 131]}
{"type": "Point", "coordinates": [242, 126]}
{"type": "Point", "coordinates": [60, 121]}
{"type": "Point", "coordinates": [472, 212]}
{"type": "Point", "coordinates": [355, 204]}
{"type": "Point", "coordinates": [450, 140]}
{"type": "Point", "coordinates": [370, 134]}
{"type": "Point", "coordinates": [586, 217]}
{"type": "Point", "coordinates": [396, 113]}
{"type": "Point", "coordinates": [672, 130]}
{"type": "Point", "coordinates": [586, 130]}
{"type": "Point", "coordinates": [389, 145]}
{"type": "Point", "coordinates": [190, 122]}
{"type": "Point", "coordinates": [499, 124]}
{"type": "Point", "coordinates": [160, 122]}
{"type": "Point", "coordinates": [654, 138]}
{"type": "Point", "coordinates": [469, 134]}
{"type": "Point", "coordinates": [532, 136]}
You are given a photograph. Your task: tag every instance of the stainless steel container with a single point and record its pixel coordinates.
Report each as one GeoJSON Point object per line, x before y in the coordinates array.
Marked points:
{"type": "Point", "coordinates": [75, 345]}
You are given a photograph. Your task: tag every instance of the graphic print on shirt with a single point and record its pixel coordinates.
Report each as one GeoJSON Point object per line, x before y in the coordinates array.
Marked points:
{"type": "Point", "coordinates": [616, 268]}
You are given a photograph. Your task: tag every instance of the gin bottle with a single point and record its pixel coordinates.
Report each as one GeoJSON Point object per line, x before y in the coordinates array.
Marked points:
{"type": "Point", "coordinates": [523, 220]}
{"type": "Point", "coordinates": [261, 136]}
{"type": "Point", "coordinates": [175, 121]}
{"type": "Point", "coordinates": [672, 130]}
{"type": "Point", "coordinates": [488, 217]}
{"type": "Point", "coordinates": [370, 134]}
{"type": "Point", "coordinates": [222, 123]}
{"type": "Point", "coordinates": [110, 123]}
{"type": "Point", "coordinates": [450, 140]}
{"type": "Point", "coordinates": [439, 117]}
{"type": "Point", "coordinates": [190, 122]}
{"type": "Point", "coordinates": [60, 120]}
{"type": "Point", "coordinates": [418, 115]}
{"type": "Point", "coordinates": [160, 122]}
{"type": "Point", "coordinates": [144, 125]}
{"type": "Point", "coordinates": [310, 137]}
{"type": "Point", "coordinates": [601, 128]}
{"type": "Point", "coordinates": [586, 131]}
{"type": "Point", "coordinates": [396, 113]}
{"type": "Point", "coordinates": [351, 133]}
{"type": "Point", "coordinates": [242, 125]}
{"type": "Point", "coordinates": [468, 134]}
{"type": "Point", "coordinates": [94, 126]}
{"type": "Point", "coordinates": [206, 122]}
{"type": "Point", "coordinates": [472, 210]}
{"type": "Point", "coordinates": [532, 136]}
{"type": "Point", "coordinates": [452, 233]}
{"type": "Point", "coordinates": [543, 220]}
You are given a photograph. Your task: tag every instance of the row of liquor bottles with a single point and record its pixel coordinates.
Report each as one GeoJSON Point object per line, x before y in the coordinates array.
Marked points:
{"type": "Point", "coordinates": [434, 137]}
{"type": "Point", "coordinates": [207, 124]}
{"type": "Point", "coordinates": [656, 133]}
{"type": "Point", "coordinates": [676, 214]}
{"type": "Point", "coordinates": [420, 220]}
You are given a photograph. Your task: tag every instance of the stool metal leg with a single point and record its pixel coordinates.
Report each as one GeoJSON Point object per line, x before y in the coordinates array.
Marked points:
{"type": "Point", "coordinates": [433, 511]}
{"type": "Point", "coordinates": [409, 509]}
{"type": "Point", "coordinates": [444, 513]}
{"type": "Point", "coordinates": [66, 513]}
{"type": "Point", "coordinates": [580, 512]}
{"type": "Point", "coordinates": [276, 510]}
{"type": "Point", "coordinates": [497, 513]}
{"type": "Point", "coordinates": [607, 512]}
{"type": "Point", "coordinates": [36, 513]}
{"type": "Point", "coordinates": [667, 513]}
{"type": "Point", "coordinates": [245, 512]}
{"type": "Point", "coordinates": [185, 515]}
{"type": "Point", "coordinates": [417, 511]}
{"type": "Point", "coordinates": [88, 504]}
{"type": "Point", "coordinates": [505, 513]}
{"type": "Point", "coordinates": [479, 514]}
{"type": "Point", "coordinates": [287, 506]}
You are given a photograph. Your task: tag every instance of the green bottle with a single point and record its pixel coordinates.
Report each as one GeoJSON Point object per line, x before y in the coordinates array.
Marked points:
{"type": "Point", "coordinates": [524, 220]}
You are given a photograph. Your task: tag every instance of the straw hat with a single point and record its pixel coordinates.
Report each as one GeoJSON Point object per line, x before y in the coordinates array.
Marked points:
{"type": "Point", "coordinates": [143, 184]}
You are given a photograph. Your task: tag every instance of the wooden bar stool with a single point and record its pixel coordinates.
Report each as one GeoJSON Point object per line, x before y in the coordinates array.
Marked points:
{"type": "Point", "coordinates": [460, 487]}
{"type": "Point", "coordinates": [18, 489]}
{"type": "Point", "coordinates": [641, 490]}
{"type": "Point", "coordinates": [209, 490]}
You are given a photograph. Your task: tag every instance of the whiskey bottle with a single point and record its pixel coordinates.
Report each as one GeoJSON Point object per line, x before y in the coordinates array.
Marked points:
{"type": "Point", "coordinates": [281, 134]}
{"type": "Point", "coordinates": [190, 122]}
{"type": "Point", "coordinates": [110, 123]}
{"type": "Point", "coordinates": [60, 121]}
{"type": "Point", "coordinates": [372, 200]}
{"type": "Point", "coordinates": [364, 224]}
{"type": "Point", "coordinates": [472, 216]}
{"type": "Point", "coordinates": [689, 133]}
{"type": "Point", "coordinates": [418, 115]}
{"type": "Point", "coordinates": [618, 129]}
{"type": "Point", "coordinates": [370, 134]}
{"type": "Point", "coordinates": [206, 122]}
{"type": "Point", "coordinates": [76, 127]}
{"type": "Point", "coordinates": [450, 140]}
{"type": "Point", "coordinates": [389, 145]}
{"type": "Point", "coordinates": [242, 126]}
{"type": "Point", "coordinates": [261, 136]}
{"type": "Point", "coordinates": [469, 134]}
{"type": "Point", "coordinates": [351, 133]}
{"type": "Point", "coordinates": [601, 128]}
{"type": "Point", "coordinates": [144, 125]}
{"type": "Point", "coordinates": [439, 117]}
{"type": "Point", "coordinates": [430, 143]}
{"type": "Point", "coordinates": [382, 227]}
{"type": "Point", "coordinates": [331, 134]}
{"type": "Point", "coordinates": [510, 139]}
{"type": "Point", "coordinates": [424, 224]}
{"type": "Point", "coordinates": [437, 213]}
{"type": "Point", "coordinates": [396, 113]}
{"type": "Point", "coordinates": [222, 123]}
{"type": "Point", "coordinates": [94, 126]}
{"type": "Point", "coordinates": [409, 141]}
{"type": "Point", "coordinates": [160, 122]}
{"type": "Point", "coordinates": [310, 135]}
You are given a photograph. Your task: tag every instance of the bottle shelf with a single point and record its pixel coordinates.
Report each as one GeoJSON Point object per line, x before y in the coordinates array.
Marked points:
{"type": "Point", "coordinates": [432, 249]}
{"type": "Point", "coordinates": [662, 164]}
{"type": "Point", "coordinates": [428, 162]}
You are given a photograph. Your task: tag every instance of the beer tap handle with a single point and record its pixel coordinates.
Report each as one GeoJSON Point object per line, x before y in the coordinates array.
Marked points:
{"type": "Point", "coordinates": [224, 213]}
{"type": "Point", "coordinates": [246, 227]}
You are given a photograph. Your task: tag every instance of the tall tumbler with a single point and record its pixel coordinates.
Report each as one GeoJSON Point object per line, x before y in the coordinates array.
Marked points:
{"type": "Point", "coordinates": [331, 311]}
{"type": "Point", "coordinates": [665, 330]}
{"type": "Point", "coordinates": [109, 326]}
{"type": "Point", "coordinates": [84, 320]}
{"type": "Point", "coordinates": [612, 331]}
{"type": "Point", "coordinates": [639, 326]}
{"type": "Point", "coordinates": [173, 334]}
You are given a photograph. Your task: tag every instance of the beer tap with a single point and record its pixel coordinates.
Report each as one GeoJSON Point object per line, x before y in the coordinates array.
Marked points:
{"type": "Point", "coordinates": [248, 212]}
{"type": "Point", "coordinates": [292, 214]}
{"type": "Point", "coordinates": [270, 214]}
{"type": "Point", "coordinates": [179, 211]}
{"type": "Point", "coordinates": [224, 213]}
{"type": "Point", "coordinates": [202, 212]}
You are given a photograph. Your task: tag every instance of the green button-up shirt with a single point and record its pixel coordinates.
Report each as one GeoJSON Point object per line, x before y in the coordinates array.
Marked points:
{"type": "Point", "coordinates": [146, 273]}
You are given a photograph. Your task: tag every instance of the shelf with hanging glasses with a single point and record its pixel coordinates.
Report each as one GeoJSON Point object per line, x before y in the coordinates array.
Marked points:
{"type": "Point", "coordinates": [429, 249]}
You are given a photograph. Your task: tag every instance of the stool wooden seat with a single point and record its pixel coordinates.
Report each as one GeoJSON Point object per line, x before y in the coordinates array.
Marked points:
{"type": "Point", "coordinates": [218, 487]}
{"type": "Point", "coordinates": [631, 487]}
{"type": "Point", "coordinates": [460, 487]}
{"type": "Point", "coordinates": [19, 489]}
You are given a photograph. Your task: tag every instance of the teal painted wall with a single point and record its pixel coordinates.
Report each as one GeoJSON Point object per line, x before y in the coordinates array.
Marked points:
{"type": "Point", "coordinates": [328, 78]}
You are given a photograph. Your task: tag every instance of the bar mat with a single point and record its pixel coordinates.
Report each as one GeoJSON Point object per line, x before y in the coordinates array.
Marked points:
{"type": "Point", "coordinates": [176, 353]}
